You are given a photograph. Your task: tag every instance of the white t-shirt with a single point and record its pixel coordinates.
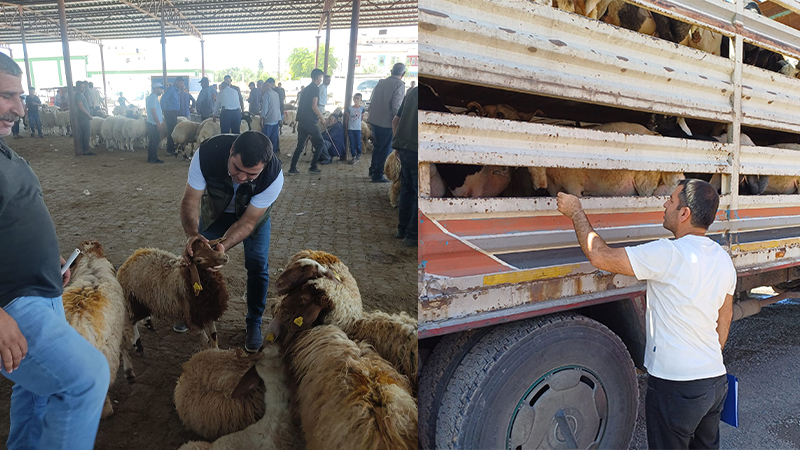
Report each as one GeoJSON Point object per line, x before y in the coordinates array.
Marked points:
{"type": "Point", "coordinates": [687, 280]}
{"type": "Point", "coordinates": [260, 200]}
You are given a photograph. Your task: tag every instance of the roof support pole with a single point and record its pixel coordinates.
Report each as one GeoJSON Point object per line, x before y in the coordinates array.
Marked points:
{"type": "Point", "coordinates": [279, 56]}
{"type": "Point", "coordinates": [202, 57]}
{"type": "Point", "coordinates": [25, 49]}
{"type": "Point", "coordinates": [351, 61]}
{"type": "Point", "coordinates": [316, 58]}
{"type": "Point", "coordinates": [327, 42]}
{"type": "Point", "coordinates": [103, 69]}
{"type": "Point", "coordinates": [73, 117]}
{"type": "Point", "coordinates": [163, 47]}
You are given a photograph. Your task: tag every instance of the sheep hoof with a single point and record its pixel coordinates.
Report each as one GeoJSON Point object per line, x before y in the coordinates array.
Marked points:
{"type": "Point", "coordinates": [130, 376]}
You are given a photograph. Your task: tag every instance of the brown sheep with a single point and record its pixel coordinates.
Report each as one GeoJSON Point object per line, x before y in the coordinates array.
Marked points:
{"type": "Point", "coordinates": [158, 283]}
{"type": "Point", "coordinates": [392, 170]}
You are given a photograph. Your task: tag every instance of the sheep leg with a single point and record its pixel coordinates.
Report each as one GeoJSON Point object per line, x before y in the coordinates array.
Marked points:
{"type": "Point", "coordinates": [137, 340]}
{"type": "Point", "coordinates": [107, 408]}
{"type": "Point", "coordinates": [205, 342]}
{"type": "Point", "coordinates": [211, 330]}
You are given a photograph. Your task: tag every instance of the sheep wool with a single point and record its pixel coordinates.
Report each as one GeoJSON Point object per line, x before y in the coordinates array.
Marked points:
{"type": "Point", "coordinates": [392, 170]}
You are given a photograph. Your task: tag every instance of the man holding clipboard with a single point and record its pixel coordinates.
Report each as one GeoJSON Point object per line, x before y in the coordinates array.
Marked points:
{"type": "Point", "coordinates": [690, 286]}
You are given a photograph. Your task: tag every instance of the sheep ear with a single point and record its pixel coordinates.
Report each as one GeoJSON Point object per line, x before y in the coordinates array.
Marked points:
{"type": "Point", "coordinates": [249, 381]}
{"type": "Point", "coordinates": [310, 314]}
{"type": "Point", "coordinates": [298, 273]}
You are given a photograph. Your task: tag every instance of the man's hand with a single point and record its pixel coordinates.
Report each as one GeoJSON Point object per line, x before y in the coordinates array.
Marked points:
{"type": "Point", "coordinates": [13, 346]}
{"type": "Point", "coordinates": [220, 248]}
{"type": "Point", "coordinates": [568, 204]}
{"type": "Point", "coordinates": [160, 126]}
{"type": "Point", "coordinates": [65, 278]}
{"type": "Point", "coordinates": [188, 253]}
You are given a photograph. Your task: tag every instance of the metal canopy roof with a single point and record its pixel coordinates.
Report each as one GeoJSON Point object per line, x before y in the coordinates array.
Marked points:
{"type": "Point", "coordinates": [117, 19]}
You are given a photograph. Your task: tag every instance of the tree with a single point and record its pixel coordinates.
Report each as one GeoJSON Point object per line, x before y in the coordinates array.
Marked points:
{"type": "Point", "coordinates": [301, 61]}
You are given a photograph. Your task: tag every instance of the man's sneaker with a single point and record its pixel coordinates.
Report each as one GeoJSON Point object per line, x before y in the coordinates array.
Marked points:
{"type": "Point", "coordinates": [353, 161]}
{"type": "Point", "coordinates": [381, 180]}
{"type": "Point", "coordinates": [180, 328]}
{"type": "Point", "coordinates": [410, 242]}
{"type": "Point", "coordinates": [400, 235]}
{"type": "Point", "coordinates": [292, 172]}
{"type": "Point", "coordinates": [252, 342]}
{"type": "Point", "coordinates": [314, 170]}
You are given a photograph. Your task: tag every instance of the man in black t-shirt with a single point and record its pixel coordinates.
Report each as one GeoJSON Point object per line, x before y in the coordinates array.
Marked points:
{"type": "Point", "coordinates": [33, 103]}
{"type": "Point", "coordinates": [307, 116]}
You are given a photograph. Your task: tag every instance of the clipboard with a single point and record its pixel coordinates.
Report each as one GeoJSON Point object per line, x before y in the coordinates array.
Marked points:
{"type": "Point", "coordinates": [730, 409]}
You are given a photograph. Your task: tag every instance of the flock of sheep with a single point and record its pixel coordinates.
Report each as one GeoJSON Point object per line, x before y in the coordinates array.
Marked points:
{"type": "Point", "coordinates": [330, 374]}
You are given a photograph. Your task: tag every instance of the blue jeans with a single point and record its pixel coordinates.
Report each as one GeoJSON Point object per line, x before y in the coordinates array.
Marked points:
{"type": "Point", "coordinates": [230, 121]}
{"type": "Point", "coordinates": [35, 122]}
{"type": "Point", "coordinates": [407, 203]}
{"type": "Point", "coordinates": [272, 132]}
{"type": "Point", "coordinates": [256, 261]}
{"type": "Point", "coordinates": [383, 143]}
{"type": "Point", "coordinates": [355, 142]}
{"type": "Point", "coordinates": [61, 384]}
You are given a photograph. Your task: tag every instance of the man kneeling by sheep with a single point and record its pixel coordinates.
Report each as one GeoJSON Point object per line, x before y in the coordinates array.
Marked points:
{"type": "Point", "coordinates": [233, 182]}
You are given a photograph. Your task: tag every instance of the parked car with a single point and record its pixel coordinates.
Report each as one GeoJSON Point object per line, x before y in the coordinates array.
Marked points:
{"type": "Point", "coordinates": [365, 89]}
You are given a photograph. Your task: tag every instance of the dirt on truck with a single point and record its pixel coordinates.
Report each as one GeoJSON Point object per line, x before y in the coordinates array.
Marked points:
{"type": "Point", "coordinates": [525, 344]}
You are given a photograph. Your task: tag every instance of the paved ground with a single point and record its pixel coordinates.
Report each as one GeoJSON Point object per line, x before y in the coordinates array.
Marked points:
{"type": "Point", "coordinates": [119, 200]}
{"type": "Point", "coordinates": [763, 353]}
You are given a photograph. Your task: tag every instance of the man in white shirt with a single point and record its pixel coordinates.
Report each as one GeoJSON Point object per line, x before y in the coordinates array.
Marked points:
{"type": "Point", "coordinates": [233, 183]}
{"type": "Point", "coordinates": [690, 286]}
{"type": "Point", "coordinates": [227, 109]}
{"type": "Point", "coordinates": [323, 93]}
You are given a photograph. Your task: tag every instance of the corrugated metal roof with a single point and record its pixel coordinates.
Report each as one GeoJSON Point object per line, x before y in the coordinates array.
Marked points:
{"type": "Point", "coordinates": [118, 19]}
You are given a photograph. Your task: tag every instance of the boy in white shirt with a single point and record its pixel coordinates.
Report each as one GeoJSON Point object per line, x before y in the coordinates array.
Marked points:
{"type": "Point", "coordinates": [690, 286]}
{"type": "Point", "coordinates": [352, 122]}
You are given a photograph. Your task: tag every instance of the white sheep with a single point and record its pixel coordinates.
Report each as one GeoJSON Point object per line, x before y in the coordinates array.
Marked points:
{"type": "Point", "coordinates": [290, 119]}
{"type": "Point", "coordinates": [63, 122]}
{"type": "Point", "coordinates": [96, 125]}
{"type": "Point", "coordinates": [48, 117]}
{"type": "Point", "coordinates": [107, 131]}
{"type": "Point", "coordinates": [184, 135]}
{"type": "Point", "coordinates": [159, 284]}
{"type": "Point", "coordinates": [276, 430]}
{"type": "Point", "coordinates": [118, 137]}
{"type": "Point", "coordinates": [95, 306]}
{"type": "Point", "coordinates": [348, 396]}
{"type": "Point", "coordinates": [131, 132]}
{"type": "Point", "coordinates": [207, 129]}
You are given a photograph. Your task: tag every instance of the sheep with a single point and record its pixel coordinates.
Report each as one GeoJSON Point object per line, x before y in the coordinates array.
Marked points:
{"type": "Point", "coordinates": [95, 306]}
{"type": "Point", "coordinates": [244, 125]}
{"type": "Point", "coordinates": [255, 123]}
{"type": "Point", "coordinates": [62, 121]}
{"type": "Point", "coordinates": [366, 136]}
{"type": "Point", "coordinates": [597, 182]}
{"type": "Point", "coordinates": [203, 393]}
{"type": "Point", "coordinates": [469, 180]}
{"type": "Point", "coordinates": [119, 110]}
{"type": "Point", "coordinates": [392, 170]}
{"type": "Point", "coordinates": [184, 134]}
{"type": "Point", "coordinates": [48, 117]}
{"type": "Point", "coordinates": [96, 126]}
{"type": "Point", "coordinates": [277, 429]}
{"type": "Point", "coordinates": [348, 396]}
{"type": "Point", "coordinates": [158, 283]}
{"type": "Point", "coordinates": [290, 119]}
{"type": "Point", "coordinates": [131, 131]}
{"type": "Point", "coordinates": [107, 131]}
{"type": "Point", "coordinates": [593, 9]}
{"type": "Point", "coordinates": [116, 132]}
{"type": "Point", "coordinates": [207, 129]}
{"type": "Point", "coordinates": [320, 290]}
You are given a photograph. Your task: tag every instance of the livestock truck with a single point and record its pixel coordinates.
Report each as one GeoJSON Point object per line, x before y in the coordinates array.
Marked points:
{"type": "Point", "coordinates": [523, 343]}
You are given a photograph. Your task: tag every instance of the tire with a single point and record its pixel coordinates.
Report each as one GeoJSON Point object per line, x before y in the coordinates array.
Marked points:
{"type": "Point", "coordinates": [523, 384]}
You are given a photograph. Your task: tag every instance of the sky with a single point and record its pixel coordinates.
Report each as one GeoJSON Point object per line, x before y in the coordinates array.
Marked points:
{"type": "Point", "coordinates": [221, 51]}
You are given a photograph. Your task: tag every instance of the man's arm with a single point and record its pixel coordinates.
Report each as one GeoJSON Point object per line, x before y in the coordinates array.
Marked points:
{"type": "Point", "coordinates": [83, 109]}
{"type": "Point", "coordinates": [397, 98]}
{"type": "Point", "coordinates": [315, 108]}
{"type": "Point", "coordinates": [190, 218]}
{"type": "Point", "coordinates": [599, 253]}
{"type": "Point", "coordinates": [724, 320]}
{"type": "Point", "coordinates": [242, 227]}
{"type": "Point", "coordinates": [395, 121]}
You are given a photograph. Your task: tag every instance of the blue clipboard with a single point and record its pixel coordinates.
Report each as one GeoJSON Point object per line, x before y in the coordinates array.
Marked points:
{"type": "Point", "coordinates": [730, 410]}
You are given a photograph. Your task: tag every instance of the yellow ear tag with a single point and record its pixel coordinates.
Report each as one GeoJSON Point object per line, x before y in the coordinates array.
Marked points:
{"type": "Point", "coordinates": [197, 288]}
{"type": "Point", "coordinates": [299, 321]}
{"type": "Point", "coordinates": [271, 337]}
{"type": "Point", "coordinates": [337, 276]}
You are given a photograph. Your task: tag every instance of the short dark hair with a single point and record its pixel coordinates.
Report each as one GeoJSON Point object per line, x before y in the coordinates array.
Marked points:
{"type": "Point", "coordinates": [254, 147]}
{"type": "Point", "coordinates": [224, 84]}
{"type": "Point", "coordinates": [179, 79]}
{"type": "Point", "coordinates": [270, 80]}
{"type": "Point", "coordinates": [326, 76]}
{"type": "Point", "coordinates": [316, 72]}
{"type": "Point", "coordinates": [398, 69]}
{"type": "Point", "coordinates": [702, 200]}
{"type": "Point", "coordinates": [357, 94]}
{"type": "Point", "coordinates": [7, 65]}
{"type": "Point", "coordinates": [78, 83]}
{"type": "Point", "coordinates": [227, 76]}
{"type": "Point", "coordinates": [251, 84]}
{"type": "Point", "coordinates": [91, 84]}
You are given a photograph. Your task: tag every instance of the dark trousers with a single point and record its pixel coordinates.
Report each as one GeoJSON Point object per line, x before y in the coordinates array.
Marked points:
{"type": "Point", "coordinates": [170, 120]}
{"type": "Point", "coordinates": [256, 262]}
{"type": "Point", "coordinates": [304, 130]}
{"type": "Point", "coordinates": [272, 132]}
{"type": "Point", "coordinates": [35, 122]}
{"type": "Point", "coordinates": [84, 125]}
{"type": "Point", "coordinates": [684, 414]}
{"type": "Point", "coordinates": [153, 139]}
{"type": "Point", "coordinates": [230, 121]}
{"type": "Point", "coordinates": [355, 142]}
{"type": "Point", "coordinates": [15, 128]}
{"type": "Point", "coordinates": [407, 203]}
{"type": "Point", "coordinates": [383, 143]}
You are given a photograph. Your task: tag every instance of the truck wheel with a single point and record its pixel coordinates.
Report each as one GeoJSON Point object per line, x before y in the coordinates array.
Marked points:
{"type": "Point", "coordinates": [556, 382]}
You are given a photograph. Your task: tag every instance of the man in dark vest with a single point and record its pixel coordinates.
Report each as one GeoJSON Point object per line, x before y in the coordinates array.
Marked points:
{"type": "Point", "coordinates": [233, 182]}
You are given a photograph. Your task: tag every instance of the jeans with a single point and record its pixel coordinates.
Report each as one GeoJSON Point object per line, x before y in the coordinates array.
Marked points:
{"type": "Point", "coordinates": [153, 139]}
{"type": "Point", "coordinates": [355, 142]}
{"type": "Point", "coordinates": [684, 414]}
{"type": "Point", "coordinates": [272, 132]}
{"type": "Point", "coordinates": [407, 203]}
{"type": "Point", "coordinates": [85, 127]}
{"type": "Point", "coordinates": [61, 384]}
{"type": "Point", "coordinates": [35, 122]}
{"type": "Point", "coordinates": [383, 143]}
{"type": "Point", "coordinates": [256, 261]}
{"type": "Point", "coordinates": [170, 120]}
{"type": "Point", "coordinates": [15, 128]}
{"type": "Point", "coordinates": [230, 121]}
{"type": "Point", "coordinates": [305, 130]}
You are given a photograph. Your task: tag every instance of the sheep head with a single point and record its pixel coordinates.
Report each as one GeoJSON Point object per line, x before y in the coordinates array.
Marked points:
{"type": "Point", "coordinates": [303, 270]}
{"type": "Point", "coordinates": [91, 248]}
{"type": "Point", "coordinates": [205, 256]}
{"type": "Point", "coordinates": [300, 310]}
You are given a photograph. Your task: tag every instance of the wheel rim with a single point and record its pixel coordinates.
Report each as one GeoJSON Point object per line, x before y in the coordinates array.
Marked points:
{"type": "Point", "coordinates": [567, 408]}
